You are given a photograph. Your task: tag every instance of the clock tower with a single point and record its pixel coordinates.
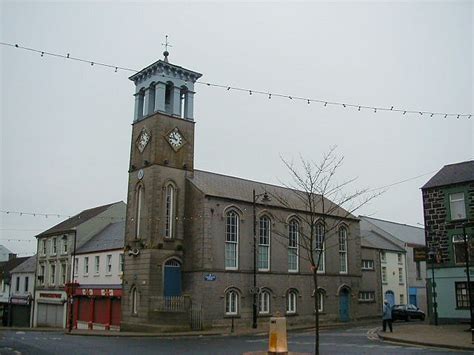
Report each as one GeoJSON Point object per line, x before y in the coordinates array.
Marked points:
{"type": "Point", "coordinates": [161, 156]}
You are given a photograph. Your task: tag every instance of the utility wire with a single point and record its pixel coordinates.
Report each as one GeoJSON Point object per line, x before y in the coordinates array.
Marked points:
{"type": "Point", "coordinates": [307, 100]}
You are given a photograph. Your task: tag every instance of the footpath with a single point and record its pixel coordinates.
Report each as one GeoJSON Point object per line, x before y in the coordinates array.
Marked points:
{"type": "Point", "coordinates": [456, 336]}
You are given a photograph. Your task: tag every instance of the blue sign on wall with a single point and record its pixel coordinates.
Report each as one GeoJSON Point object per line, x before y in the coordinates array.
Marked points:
{"type": "Point", "coordinates": [210, 277]}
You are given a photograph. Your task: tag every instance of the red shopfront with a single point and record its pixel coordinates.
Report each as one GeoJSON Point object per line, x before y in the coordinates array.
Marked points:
{"type": "Point", "coordinates": [97, 308]}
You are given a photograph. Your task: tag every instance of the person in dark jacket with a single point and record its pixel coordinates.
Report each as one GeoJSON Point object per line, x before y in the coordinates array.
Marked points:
{"type": "Point", "coordinates": [387, 316]}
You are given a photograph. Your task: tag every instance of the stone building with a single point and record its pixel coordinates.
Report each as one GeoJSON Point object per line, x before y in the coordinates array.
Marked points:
{"type": "Point", "coordinates": [189, 236]}
{"type": "Point", "coordinates": [448, 205]}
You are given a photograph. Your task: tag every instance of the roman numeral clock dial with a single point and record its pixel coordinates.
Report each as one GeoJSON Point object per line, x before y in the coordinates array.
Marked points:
{"type": "Point", "coordinates": [175, 139]}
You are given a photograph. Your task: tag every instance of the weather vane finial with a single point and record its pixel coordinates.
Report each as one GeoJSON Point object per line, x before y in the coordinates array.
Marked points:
{"type": "Point", "coordinates": [166, 45]}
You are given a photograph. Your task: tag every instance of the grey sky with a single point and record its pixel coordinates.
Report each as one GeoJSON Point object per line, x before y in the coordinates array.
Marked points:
{"type": "Point", "coordinates": [65, 126]}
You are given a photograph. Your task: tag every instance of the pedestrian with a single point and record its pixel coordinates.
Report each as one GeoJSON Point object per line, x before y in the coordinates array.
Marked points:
{"type": "Point", "coordinates": [387, 316]}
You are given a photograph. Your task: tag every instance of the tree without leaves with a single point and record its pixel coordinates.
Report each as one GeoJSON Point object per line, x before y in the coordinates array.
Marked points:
{"type": "Point", "coordinates": [324, 206]}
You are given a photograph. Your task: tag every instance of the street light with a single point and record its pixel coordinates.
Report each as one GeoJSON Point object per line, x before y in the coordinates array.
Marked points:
{"type": "Point", "coordinates": [71, 287]}
{"type": "Point", "coordinates": [469, 290]}
{"type": "Point", "coordinates": [265, 198]}
{"type": "Point", "coordinates": [432, 254]}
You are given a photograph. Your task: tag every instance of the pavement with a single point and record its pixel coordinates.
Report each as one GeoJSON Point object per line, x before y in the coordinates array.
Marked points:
{"type": "Point", "coordinates": [456, 336]}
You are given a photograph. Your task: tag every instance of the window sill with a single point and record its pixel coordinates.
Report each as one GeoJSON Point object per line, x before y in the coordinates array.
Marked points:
{"type": "Point", "coordinates": [108, 274]}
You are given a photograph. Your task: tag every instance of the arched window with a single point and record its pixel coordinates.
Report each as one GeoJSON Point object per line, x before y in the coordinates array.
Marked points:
{"type": "Point", "coordinates": [342, 250]}
{"type": "Point", "coordinates": [264, 302]}
{"type": "Point", "coordinates": [183, 102]}
{"type": "Point", "coordinates": [320, 294]}
{"type": "Point", "coordinates": [293, 240]}
{"type": "Point", "coordinates": [134, 299]}
{"type": "Point", "coordinates": [264, 244]}
{"type": "Point", "coordinates": [169, 97]}
{"type": "Point", "coordinates": [138, 214]}
{"type": "Point", "coordinates": [231, 240]}
{"type": "Point", "coordinates": [170, 211]}
{"type": "Point", "coordinates": [291, 298]}
{"type": "Point", "coordinates": [231, 302]}
{"type": "Point", "coordinates": [319, 252]}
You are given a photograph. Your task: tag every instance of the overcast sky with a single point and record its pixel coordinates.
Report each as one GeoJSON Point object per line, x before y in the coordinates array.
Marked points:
{"type": "Point", "coordinates": [66, 126]}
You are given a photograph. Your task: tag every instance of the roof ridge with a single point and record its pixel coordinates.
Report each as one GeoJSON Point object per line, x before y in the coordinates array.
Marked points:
{"type": "Point", "coordinates": [385, 220]}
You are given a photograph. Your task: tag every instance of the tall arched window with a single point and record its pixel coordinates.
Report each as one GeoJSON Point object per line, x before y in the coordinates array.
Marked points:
{"type": "Point", "coordinates": [231, 240]}
{"type": "Point", "coordinates": [183, 102]}
{"type": "Point", "coordinates": [291, 298]}
{"type": "Point", "coordinates": [264, 244]}
{"type": "Point", "coordinates": [231, 302]}
{"type": "Point", "coordinates": [293, 240]}
{"type": "Point", "coordinates": [169, 97]}
{"type": "Point", "coordinates": [138, 214]}
{"type": "Point", "coordinates": [264, 302]}
{"type": "Point", "coordinates": [134, 300]}
{"type": "Point", "coordinates": [170, 211]}
{"type": "Point", "coordinates": [319, 252]}
{"type": "Point", "coordinates": [342, 250]}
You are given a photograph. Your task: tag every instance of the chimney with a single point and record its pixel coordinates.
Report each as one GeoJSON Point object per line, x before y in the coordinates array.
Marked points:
{"type": "Point", "coordinates": [11, 256]}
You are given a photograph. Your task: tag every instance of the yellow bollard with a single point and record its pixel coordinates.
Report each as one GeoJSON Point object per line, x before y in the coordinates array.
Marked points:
{"type": "Point", "coordinates": [277, 343]}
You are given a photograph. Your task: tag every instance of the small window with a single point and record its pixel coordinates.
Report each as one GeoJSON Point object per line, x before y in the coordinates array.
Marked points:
{"type": "Point", "coordinates": [291, 298]}
{"type": "Point", "coordinates": [63, 274]}
{"type": "Point", "coordinates": [43, 246]}
{"type": "Point", "coordinates": [121, 262]}
{"type": "Point", "coordinates": [366, 296]}
{"type": "Point", "coordinates": [54, 246]}
{"type": "Point", "coordinates": [52, 276]}
{"type": "Point", "coordinates": [41, 275]}
{"type": "Point", "coordinates": [320, 301]}
{"type": "Point", "coordinates": [383, 257]}
{"type": "Point", "coordinates": [17, 288]}
{"type": "Point", "coordinates": [231, 302]}
{"type": "Point", "coordinates": [134, 299]}
{"type": "Point", "coordinates": [264, 244]}
{"type": "Point", "coordinates": [27, 281]}
{"type": "Point", "coordinates": [400, 258]}
{"type": "Point", "coordinates": [462, 294]}
{"type": "Point", "coordinates": [65, 244]}
{"type": "Point", "coordinates": [109, 264]}
{"type": "Point", "coordinates": [402, 299]}
{"type": "Point", "coordinates": [264, 302]}
{"type": "Point", "coordinates": [97, 264]}
{"type": "Point", "coordinates": [459, 249]}
{"type": "Point", "coordinates": [86, 265]}
{"type": "Point", "coordinates": [418, 270]}
{"type": "Point", "coordinates": [400, 275]}
{"type": "Point", "coordinates": [457, 206]}
{"type": "Point", "coordinates": [367, 265]}
{"type": "Point", "coordinates": [384, 274]}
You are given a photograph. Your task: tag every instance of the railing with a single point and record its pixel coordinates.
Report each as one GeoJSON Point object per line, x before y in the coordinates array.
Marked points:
{"type": "Point", "coordinates": [171, 304]}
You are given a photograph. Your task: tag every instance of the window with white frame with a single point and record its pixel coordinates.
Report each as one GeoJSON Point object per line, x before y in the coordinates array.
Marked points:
{"type": "Point", "coordinates": [459, 249]}
{"type": "Point", "coordinates": [231, 302]}
{"type": "Point", "coordinates": [54, 246]}
{"type": "Point", "coordinates": [17, 286]}
{"type": "Point", "coordinates": [41, 275]}
{"type": "Point", "coordinates": [383, 257]}
{"type": "Point", "coordinates": [320, 294]}
{"type": "Point", "coordinates": [231, 240]}
{"type": "Point", "coordinates": [264, 302]}
{"type": "Point", "coordinates": [64, 244]}
{"type": "Point", "coordinates": [27, 281]}
{"type": "Point", "coordinates": [367, 264]}
{"type": "Point", "coordinates": [400, 258]}
{"type": "Point", "coordinates": [293, 240]}
{"type": "Point", "coordinates": [43, 247]}
{"type": "Point", "coordinates": [384, 274]}
{"type": "Point", "coordinates": [134, 299]}
{"type": "Point", "coordinates": [76, 266]}
{"type": "Point", "coordinates": [63, 274]}
{"type": "Point", "coordinates": [86, 265]}
{"type": "Point", "coordinates": [96, 264]}
{"type": "Point", "coordinates": [108, 265]}
{"type": "Point", "coordinates": [366, 296]}
{"type": "Point", "coordinates": [343, 250]}
{"type": "Point", "coordinates": [121, 261]}
{"type": "Point", "coordinates": [291, 299]}
{"type": "Point", "coordinates": [457, 206]}
{"type": "Point", "coordinates": [52, 274]}
{"type": "Point", "coordinates": [402, 299]}
{"type": "Point", "coordinates": [400, 275]}
{"type": "Point", "coordinates": [138, 215]}
{"type": "Point", "coordinates": [264, 244]}
{"type": "Point", "coordinates": [170, 197]}
{"type": "Point", "coordinates": [319, 245]}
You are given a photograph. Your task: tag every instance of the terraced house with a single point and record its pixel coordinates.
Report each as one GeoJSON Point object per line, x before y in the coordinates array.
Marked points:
{"type": "Point", "coordinates": [189, 235]}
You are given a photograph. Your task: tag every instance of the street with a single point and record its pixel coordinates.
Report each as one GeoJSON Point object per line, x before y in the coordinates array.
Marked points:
{"type": "Point", "coordinates": [357, 340]}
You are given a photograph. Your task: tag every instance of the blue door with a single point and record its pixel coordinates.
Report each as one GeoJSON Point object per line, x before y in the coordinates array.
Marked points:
{"type": "Point", "coordinates": [344, 305]}
{"type": "Point", "coordinates": [413, 299]}
{"type": "Point", "coordinates": [390, 297]}
{"type": "Point", "coordinates": [172, 282]}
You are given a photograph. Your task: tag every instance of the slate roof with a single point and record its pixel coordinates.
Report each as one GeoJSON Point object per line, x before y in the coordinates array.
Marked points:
{"type": "Point", "coordinates": [372, 239]}
{"type": "Point", "coordinates": [7, 266]}
{"type": "Point", "coordinates": [403, 232]}
{"type": "Point", "coordinates": [4, 251]}
{"type": "Point", "coordinates": [27, 266]}
{"type": "Point", "coordinates": [76, 220]}
{"type": "Point", "coordinates": [452, 174]}
{"type": "Point", "coordinates": [229, 187]}
{"type": "Point", "coordinates": [110, 238]}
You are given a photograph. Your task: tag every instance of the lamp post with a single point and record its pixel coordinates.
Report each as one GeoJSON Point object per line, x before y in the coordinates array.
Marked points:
{"type": "Point", "coordinates": [72, 284]}
{"type": "Point", "coordinates": [432, 254]}
{"type": "Point", "coordinates": [265, 198]}
{"type": "Point", "coordinates": [469, 289]}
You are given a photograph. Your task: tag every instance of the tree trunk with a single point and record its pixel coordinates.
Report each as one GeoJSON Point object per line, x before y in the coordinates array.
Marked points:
{"type": "Point", "coordinates": [316, 313]}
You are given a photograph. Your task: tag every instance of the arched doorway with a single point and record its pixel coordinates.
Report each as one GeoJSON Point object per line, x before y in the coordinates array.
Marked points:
{"type": "Point", "coordinates": [390, 297]}
{"type": "Point", "coordinates": [344, 305]}
{"type": "Point", "coordinates": [172, 278]}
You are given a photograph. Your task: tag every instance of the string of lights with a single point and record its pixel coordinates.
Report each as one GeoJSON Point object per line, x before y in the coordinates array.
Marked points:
{"type": "Point", "coordinates": [269, 95]}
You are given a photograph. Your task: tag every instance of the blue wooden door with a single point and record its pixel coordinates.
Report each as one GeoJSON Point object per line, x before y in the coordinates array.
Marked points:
{"type": "Point", "coordinates": [344, 305]}
{"type": "Point", "coordinates": [172, 282]}
{"type": "Point", "coordinates": [390, 297]}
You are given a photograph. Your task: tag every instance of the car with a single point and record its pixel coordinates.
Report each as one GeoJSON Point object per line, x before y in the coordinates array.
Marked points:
{"type": "Point", "coordinates": [407, 312]}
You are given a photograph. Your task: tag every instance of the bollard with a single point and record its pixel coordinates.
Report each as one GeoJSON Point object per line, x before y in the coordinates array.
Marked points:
{"type": "Point", "coordinates": [277, 343]}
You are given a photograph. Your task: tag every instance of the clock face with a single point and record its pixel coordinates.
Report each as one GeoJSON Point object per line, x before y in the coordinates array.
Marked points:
{"type": "Point", "coordinates": [143, 140]}
{"type": "Point", "coordinates": [175, 139]}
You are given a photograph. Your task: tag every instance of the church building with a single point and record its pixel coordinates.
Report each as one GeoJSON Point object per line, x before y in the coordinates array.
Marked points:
{"type": "Point", "coordinates": [191, 258]}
